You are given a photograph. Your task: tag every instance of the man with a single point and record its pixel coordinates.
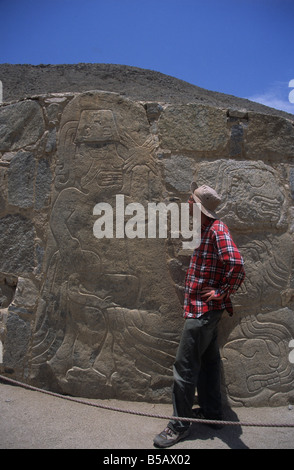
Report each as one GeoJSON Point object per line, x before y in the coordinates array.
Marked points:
{"type": "Point", "coordinates": [215, 272]}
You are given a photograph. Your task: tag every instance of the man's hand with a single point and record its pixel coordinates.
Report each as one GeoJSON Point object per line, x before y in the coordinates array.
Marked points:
{"type": "Point", "coordinates": [210, 294]}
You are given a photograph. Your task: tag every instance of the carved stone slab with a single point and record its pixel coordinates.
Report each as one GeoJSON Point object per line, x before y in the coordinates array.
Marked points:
{"type": "Point", "coordinates": [102, 317]}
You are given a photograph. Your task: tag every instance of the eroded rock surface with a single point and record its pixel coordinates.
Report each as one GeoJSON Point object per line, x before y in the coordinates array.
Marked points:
{"type": "Point", "coordinates": [102, 317]}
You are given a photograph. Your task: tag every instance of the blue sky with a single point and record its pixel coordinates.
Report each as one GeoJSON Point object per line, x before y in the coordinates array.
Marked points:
{"type": "Point", "coordinates": [239, 47]}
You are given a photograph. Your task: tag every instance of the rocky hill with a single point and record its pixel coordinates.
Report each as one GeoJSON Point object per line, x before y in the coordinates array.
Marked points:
{"type": "Point", "coordinates": [20, 81]}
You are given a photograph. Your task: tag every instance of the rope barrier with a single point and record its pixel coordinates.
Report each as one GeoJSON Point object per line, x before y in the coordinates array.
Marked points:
{"type": "Point", "coordinates": [140, 413]}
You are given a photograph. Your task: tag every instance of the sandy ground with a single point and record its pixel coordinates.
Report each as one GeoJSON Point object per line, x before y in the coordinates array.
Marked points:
{"type": "Point", "coordinates": [33, 420]}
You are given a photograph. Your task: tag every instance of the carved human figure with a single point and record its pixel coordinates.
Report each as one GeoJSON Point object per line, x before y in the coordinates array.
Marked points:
{"type": "Point", "coordinates": [90, 283]}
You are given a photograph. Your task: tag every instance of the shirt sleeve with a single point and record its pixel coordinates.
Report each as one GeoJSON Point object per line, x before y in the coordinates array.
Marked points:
{"type": "Point", "coordinates": [232, 262]}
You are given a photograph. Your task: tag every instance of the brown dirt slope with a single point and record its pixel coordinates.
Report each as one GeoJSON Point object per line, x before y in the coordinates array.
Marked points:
{"type": "Point", "coordinates": [21, 81]}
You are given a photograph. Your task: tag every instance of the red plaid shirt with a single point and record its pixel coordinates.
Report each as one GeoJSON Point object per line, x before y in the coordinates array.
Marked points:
{"type": "Point", "coordinates": [216, 263]}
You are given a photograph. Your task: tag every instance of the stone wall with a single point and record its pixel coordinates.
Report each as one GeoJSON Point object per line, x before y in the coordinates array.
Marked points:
{"type": "Point", "coordinates": [102, 317]}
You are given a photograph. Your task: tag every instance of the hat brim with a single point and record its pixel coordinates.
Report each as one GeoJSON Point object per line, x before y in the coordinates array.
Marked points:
{"type": "Point", "coordinates": [205, 211]}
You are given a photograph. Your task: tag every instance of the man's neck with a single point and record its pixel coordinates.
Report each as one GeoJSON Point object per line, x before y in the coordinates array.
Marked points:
{"type": "Point", "coordinates": [205, 220]}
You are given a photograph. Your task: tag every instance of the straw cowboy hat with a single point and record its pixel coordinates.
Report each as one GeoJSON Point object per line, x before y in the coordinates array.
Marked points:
{"type": "Point", "coordinates": [207, 197]}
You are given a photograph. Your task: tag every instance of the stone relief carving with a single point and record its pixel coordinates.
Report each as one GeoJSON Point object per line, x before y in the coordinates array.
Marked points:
{"type": "Point", "coordinates": [255, 342]}
{"type": "Point", "coordinates": [259, 350]}
{"type": "Point", "coordinates": [268, 272]}
{"type": "Point", "coordinates": [96, 306]}
{"type": "Point", "coordinates": [255, 207]}
{"type": "Point", "coordinates": [252, 193]}
{"type": "Point", "coordinates": [102, 317]}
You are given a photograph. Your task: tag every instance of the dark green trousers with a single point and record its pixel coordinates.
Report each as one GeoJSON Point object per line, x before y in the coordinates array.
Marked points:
{"type": "Point", "coordinates": [197, 364]}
